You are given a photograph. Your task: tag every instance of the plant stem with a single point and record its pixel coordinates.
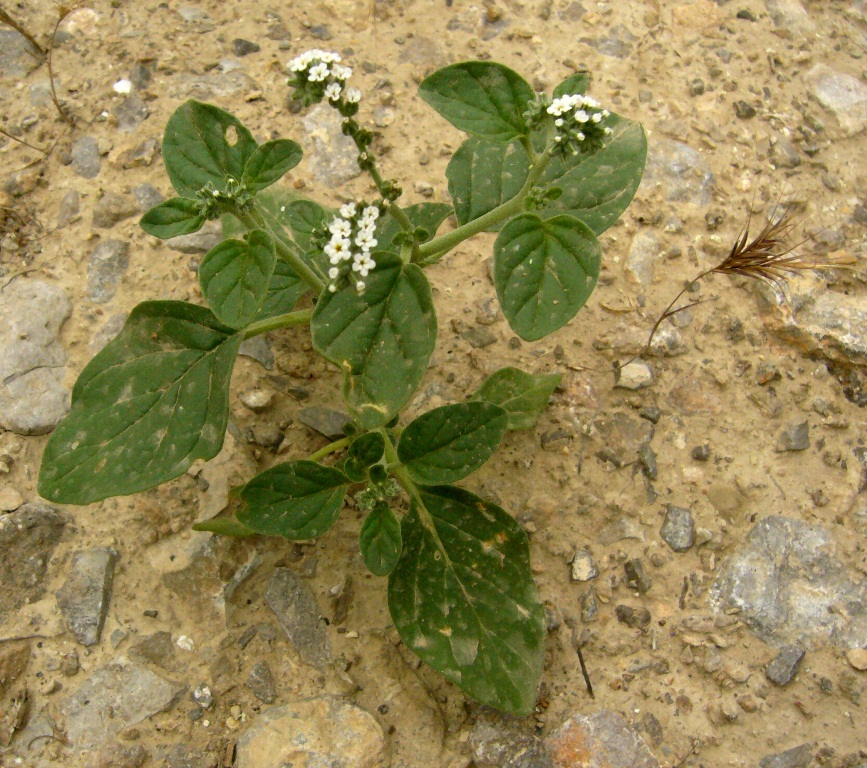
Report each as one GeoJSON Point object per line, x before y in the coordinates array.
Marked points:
{"type": "Point", "coordinates": [434, 250]}
{"type": "Point", "coordinates": [337, 445]}
{"type": "Point", "coordinates": [283, 251]}
{"type": "Point", "coordinates": [5, 18]}
{"type": "Point", "coordinates": [299, 317]}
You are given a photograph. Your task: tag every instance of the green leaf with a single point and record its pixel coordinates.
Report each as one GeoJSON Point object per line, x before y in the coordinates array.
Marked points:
{"type": "Point", "coordinates": [298, 499]}
{"type": "Point", "coordinates": [225, 526]}
{"type": "Point", "coordinates": [302, 217]}
{"type": "Point", "coordinates": [521, 395]}
{"type": "Point", "coordinates": [367, 449]}
{"type": "Point", "coordinates": [462, 598]}
{"type": "Point", "coordinates": [482, 98]}
{"type": "Point", "coordinates": [269, 162]}
{"type": "Point", "coordinates": [235, 275]}
{"type": "Point", "coordinates": [451, 442]}
{"type": "Point", "coordinates": [205, 145]}
{"type": "Point", "coordinates": [544, 271]}
{"type": "Point", "coordinates": [382, 339]}
{"type": "Point", "coordinates": [483, 175]}
{"type": "Point", "coordinates": [284, 290]}
{"type": "Point", "coordinates": [429, 216]}
{"type": "Point", "coordinates": [178, 216]}
{"type": "Point", "coordinates": [379, 540]}
{"type": "Point", "coordinates": [154, 400]}
{"type": "Point", "coordinates": [576, 83]}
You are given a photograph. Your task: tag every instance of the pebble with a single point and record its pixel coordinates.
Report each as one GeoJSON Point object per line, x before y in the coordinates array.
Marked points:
{"type": "Point", "coordinates": [197, 18]}
{"type": "Point", "coordinates": [842, 94]}
{"type": "Point", "coordinates": [68, 209]}
{"type": "Point", "coordinates": [259, 349]}
{"type": "Point", "coordinates": [140, 156]}
{"type": "Point", "coordinates": [796, 757]}
{"type": "Point", "coordinates": [617, 43]}
{"type": "Point", "coordinates": [105, 269]}
{"type": "Point", "coordinates": [634, 375]}
{"type": "Point", "coordinates": [241, 47]}
{"type": "Point", "coordinates": [147, 196]}
{"type": "Point", "coordinates": [643, 256]}
{"type": "Point", "coordinates": [114, 697]}
{"type": "Point", "coordinates": [785, 665]}
{"type": "Point", "coordinates": [113, 208]}
{"type": "Point", "coordinates": [678, 528]}
{"type": "Point", "coordinates": [261, 682]}
{"type": "Point", "coordinates": [679, 171]}
{"type": "Point", "coordinates": [16, 59]}
{"type": "Point", "coordinates": [295, 606]}
{"type": "Point", "coordinates": [600, 740]}
{"type": "Point", "coordinates": [330, 156]}
{"type": "Point", "coordinates": [621, 436]}
{"type": "Point", "coordinates": [637, 618]}
{"type": "Point", "coordinates": [10, 499]}
{"type": "Point", "coordinates": [323, 730]}
{"type": "Point", "coordinates": [185, 756]}
{"type": "Point", "coordinates": [668, 342]}
{"type": "Point", "coordinates": [119, 756]}
{"type": "Point", "coordinates": [506, 745]}
{"type": "Point", "coordinates": [697, 86]}
{"type": "Point", "coordinates": [33, 399]}
{"type": "Point", "coordinates": [636, 578]}
{"type": "Point", "coordinates": [583, 567]}
{"type": "Point", "coordinates": [203, 696]}
{"type": "Point", "coordinates": [156, 648]}
{"type": "Point", "coordinates": [785, 582]}
{"type": "Point", "coordinates": [784, 154]}
{"type": "Point", "coordinates": [691, 396]}
{"type": "Point", "coordinates": [326, 421]}
{"type": "Point", "coordinates": [86, 159]}
{"type": "Point", "coordinates": [624, 528]}
{"type": "Point", "coordinates": [85, 595]}
{"type": "Point", "coordinates": [790, 17]}
{"type": "Point", "coordinates": [701, 452]}
{"type": "Point", "coordinates": [257, 400]}
{"type": "Point", "coordinates": [857, 657]}
{"type": "Point", "coordinates": [794, 437]}
{"type": "Point", "coordinates": [479, 337]}
{"type": "Point", "coordinates": [744, 111]}
{"type": "Point", "coordinates": [209, 236]}
{"type": "Point", "coordinates": [651, 413]}
{"type": "Point", "coordinates": [209, 87]}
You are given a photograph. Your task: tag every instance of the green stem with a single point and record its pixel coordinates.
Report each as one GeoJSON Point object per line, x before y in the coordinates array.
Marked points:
{"type": "Point", "coordinates": [434, 250]}
{"type": "Point", "coordinates": [337, 445]}
{"type": "Point", "coordinates": [299, 317]}
{"type": "Point", "coordinates": [283, 251]}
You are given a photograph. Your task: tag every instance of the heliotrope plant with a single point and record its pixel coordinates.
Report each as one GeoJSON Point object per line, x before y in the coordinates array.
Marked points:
{"type": "Point", "coordinates": [548, 173]}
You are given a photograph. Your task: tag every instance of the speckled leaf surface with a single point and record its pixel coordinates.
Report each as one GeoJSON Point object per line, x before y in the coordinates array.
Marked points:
{"type": "Point", "coordinates": [521, 395]}
{"type": "Point", "coordinates": [379, 540]}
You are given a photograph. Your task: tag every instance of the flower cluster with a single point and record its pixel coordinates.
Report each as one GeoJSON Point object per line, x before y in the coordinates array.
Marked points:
{"type": "Point", "coordinates": [319, 75]}
{"type": "Point", "coordinates": [348, 250]}
{"type": "Point", "coordinates": [579, 121]}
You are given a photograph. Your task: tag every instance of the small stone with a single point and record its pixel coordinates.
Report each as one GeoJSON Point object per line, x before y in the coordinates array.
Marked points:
{"type": "Point", "coordinates": [744, 111]}
{"type": "Point", "coordinates": [321, 731]}
{"type": "Point", "coordinates": [842, 94]}
{"type": "Point", "coordinates": [642, 258]}
{"type": "Point", "coordinates": [203, 696]}
{"type": "Point", "coordinates": [651, 414]}
{"type": "Point", "coordinates": [326, 421]}
{"type": "Point", "coordinates": [68, 210]}
{"type": "Point", "coordinates": [330, 156]}
{"type": "Point", "coordinates": [796, 757]}
{"type": "Point", "coordinates": [668, 342]}
{"type": "Point", "coordinates": [69, 663]}
{"type": "Point", "coordinates": [157, 649]}
{"type": "Point", "coordinates": [636, 578]}
{"type": "Point", "coordinates": [105, 269]}
{"type": "Point", "coordinates": [589, 606]}
{"type": "Point", "coordinates": [583, 567]}
{"type": "Point", "coordinates": [697, 86]}
{"type": "Point", "coordinates": [117, 637]}
{"type": "Point", "coordinates": [147, 196]}
{"type": "Point", "coordinates": [257, 400]}
{"type": "Point", "coordinates": [131, 113]}
{"type": "Point", "coordinates": [795, 437]}
{"type": "Point", "coordinates": [678, 528]}
{"type": "Point", "coordinates": [138, 157]}
{"type": "Point", "coordinates": [647, 459]}
{"type": "Point", "coordinates": [111, 209]}
{"type": "Point", "coordinates": [634, 375]}
{"type": "Point", "coordinates": [624, 528]}
{"type": "Point", "coordinates": [185, 756]}
{"type": "Point", "coordinates": [17, 57]}
{"type": "Point", "coordinates": [681, 173]}
{"type": "Point", "coordinates": [784, 154]}
{"type": "Point", "coordinates": [259, 349]}
{"type": "Point", "coordinates": [857, 657]}
{"type": "Point", "coordinates": [599, 740]}
{"type": "Point", "coordinates": [745, 15]}
{"type": "Point", "coordinates": [555, 439]}
{"type": "Point", "coordinates": [295, 606]}
{"type": "Point", "coordinates": [766, 373]}
{"type": "Point", "coordinates": [120, 756]}
{"type": "Point", "coordinates": [637, 618]}
{"type": "Point", "coordinates": [241, 47]}
{"type": "Point", "coordinates": [209, 236]}
{"type": "Point", "coordinates": [790, 17]}
{"type": "Point", "coordinates": [85, 157]}
{"type": "Point", "coordinates": [479, 337]}
{"type": "Point", "coordinates": [423, 188]}
{"type": "Point", "coordinates": [84, 597]}
{"type": "Point", "coordinates": [141, 75]}
{"type": "Point", "coordinates": [261, 682]}
{"type": "Point", "coordinates": [701, 452]}
{"type": "Point", "coordinates": [10, 499]}
{"type": "Point", "coordinates": [321, 32]}
{"type": "Point", "coordinates": [507, 745]}
{"type": "Point", "coordinates": [616, 43]}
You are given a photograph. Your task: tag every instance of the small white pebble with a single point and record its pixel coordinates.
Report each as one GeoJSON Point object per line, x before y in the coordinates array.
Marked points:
{"type": "Point", "coordinates": [205, 723]}
{"type": "Point", "coordinates": [352, 634]}
{"type": "Point", "coordinates": [123, 86]}
{"type": "Point", "coordinates": [186, 643]}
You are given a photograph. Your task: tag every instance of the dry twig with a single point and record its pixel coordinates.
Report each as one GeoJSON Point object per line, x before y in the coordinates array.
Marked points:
{"type": "Point", "coordinates": [5, 18]}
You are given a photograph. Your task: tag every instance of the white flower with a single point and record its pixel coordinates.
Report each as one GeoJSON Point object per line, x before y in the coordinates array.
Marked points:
{"type": "Point", "coordinates": [332, 92]}
{"type": "Point", "coordinates": [347, 210]}
{"type": "Point", "coordinates": [359, 286]}
{"type": "Point", "coordinates": [340, 72]}
{"type": "Point", "coordinates": [371, 213]}
{"type": "Point", "coordinates": [366, 241]}
{"type": "Point", "coordinates": [300, 63]}
{"type": "Point", "coordinates": [340, 227]}
{"type": "Point", "coordinates": [589, 101]}
{"type": "Point", "coordinates": [332, 288]}
{"type": "Point", "coordinates": [596, 117]}
{"type": "Point", "coordinates": [559, 122]}
{"type": "Point", "coordinates": [606, 113]}
{"type": "Point", "coordinates": [353, 95]}
{"type": "Point", "coordinates": [337, 249]}
{"type": "Point", "coordinates": [581, 116]}
{"type": "Point", "coordinates": [318, 73]}
{"type": "Point", "coordinates": [329, 57]}
{"type": "Point", "coordinates": [333, 273]}
{"type": "Point", "coordinates": [580, 136]}
{"type": "Point", "coordinates": [607, 131]}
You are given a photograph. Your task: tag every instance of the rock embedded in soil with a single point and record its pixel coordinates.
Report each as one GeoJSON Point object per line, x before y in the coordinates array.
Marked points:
{"type": "Point", "coordinates": [642, 258]}
{"type": "Point", "coordinates": [157, 648]}
{"type": "Point", "coordinates": [261, 682]}
{"type": "Point", "coordinates": [105, 269]}
{"type": "Point", "coordinates": [33, 399]}
{"type": "Point", "coordinates": [241, 47]}
{"type": "Point", "coordinates": [147, 196]}
{"type": "Point", "coordinates": [784, 665]}
{"type": "Point", "coordinates": [600, 740]}
{"type": "Point", "coordinates": [295, 606]}
{"type": "Point", "coordinates": [115, 696]}
{"type": "Point", "coordinates": [209, 236]}
{"type": "Point", "coordinates": [111, 209]}
{"type": "Point", "coordinates": [795, 437]}
{"type": "Point", "coordinates": [10, 499]}
{"type": "Point", "coordinates": [326, 421]}
{"type": "Point", "coordinates": [17, 59]}
{"type": "Point", "coordinates": [842, 94]}
{"type": "Point", "coordinates": [330, 156]}
{"type": "Point", "coordinates": [68, 209]}
{"type": "Point", "coordinates": [784, 154]}
{"type": "Point", "coordinates": [790, 17]}
{"type": "Point", "coordinates": [637, 618]}
{"type": "Point", "coordinates": [85, 595]}
{"type": "Point", "coordinates": [785, 582]}
{"type": "Point", "coordinates": [583, 567]}
{"type": "Point", "coordinates": [323, 730]}
{"type": "Point", "coordinates": [633, 376]}
{"type": "Point", "coordinates": [506, 745]}
{"type": "Point", "coordinates": [678, 528]}
{"type": "Point", "coordinates": [796, 757]}
{"type": "Point", "coordinates": [680, 172]}
{"type": "Point", "coordinates": [86, 160]}
{"type": "Point", "coordinates": [130, 113]}
{"type": "Point", "coordinates": [478, 338]}
{"type": "Point", "coordinates": [636, 578]}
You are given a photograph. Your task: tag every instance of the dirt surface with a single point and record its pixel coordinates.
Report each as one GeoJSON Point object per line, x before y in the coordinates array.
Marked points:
{"type": "Point", "coordinates": [692, 682]}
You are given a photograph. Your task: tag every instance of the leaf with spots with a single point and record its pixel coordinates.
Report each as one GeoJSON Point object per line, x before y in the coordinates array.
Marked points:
{"type": "Point", "coordinates": [297, 499]}
{"type": "Point", "coordinates": [451, 442]}
{"type": "Point", "coordinates": [154, 400]}
{"type": "Point", "coordinates": [521, 395]}
{"type": "Point", "coordinates": [544, 272]}
{"type": "Point", "coordinates": [462, 597]}
{"type": "Point", "coordinates": [379, 540]}
{"type": "Point", "coordinates": [178, 216]}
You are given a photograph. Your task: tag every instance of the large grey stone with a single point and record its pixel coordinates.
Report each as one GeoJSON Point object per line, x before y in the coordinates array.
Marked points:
{"type": "Point", "coordinates": [105, 268]}
{"type": "Point", "coordinates": [842, 94]}
{"type": "Point", "coordinates": [32, 396]}
{"type": "Point", "coordinates": [603, 740]}
{"type": "Point", "coordinates": [679, 171]}
{"type": "Point", "coordinates": [790, 17]}
{"type": "Point", "coordinates": [116, 696]}
{"type": "Point", "coordinates": [506, 745]}
{"type": "Point", "coordinates": [321, 731]}
{"type": "Point", "coordinates": [331, 156]}
{"type": "Point", "coordinates": [295, 606]}
{"type": "Point", "coordinates": [86, 593]}
{"type": "Point", "coordinates": [788, 586]}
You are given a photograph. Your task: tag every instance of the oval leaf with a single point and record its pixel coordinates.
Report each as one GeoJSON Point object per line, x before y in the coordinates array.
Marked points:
{"type": "Point", "coordinates": [379, 540]}
{"type": "Point", "coordinates": [284, 290]}
{"type": "Point", "coordinates": [235, 276]}
{"type": "Point", "coordinates": [367, 449]}
{"type": "Point", "coordinates": [178, 216]}
{"type": "Point", "coordinates": [483, 175]}
{"type": "Point", "coordinates": [269, 162]}
{"type": "Point", "coordinates": [521, 395]}
{"type": "Point", "coordinates": [482, 98]}
{"type": "Point", "coordinates": [544, 271]}
{"type": "Point", "coordinates": [204, 145]}
{"type": "Point", "coordinates": [298, 500]}
{"type": "Point", "coordinates": [576, 83]}
{"type": "Point", "coordinates": [154, 400]}
{"type": "Point", "coordinates": [382, 339]}
{"type": "Point", "coordinates": [451, 442]}
{"type": "Point", "coordinates": [462, 598]}
{"type": "Point", "coordinates": [225, 526]}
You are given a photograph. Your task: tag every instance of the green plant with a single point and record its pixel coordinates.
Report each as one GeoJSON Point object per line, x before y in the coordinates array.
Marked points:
{"type": "Point", "coordinates": [549, 174]}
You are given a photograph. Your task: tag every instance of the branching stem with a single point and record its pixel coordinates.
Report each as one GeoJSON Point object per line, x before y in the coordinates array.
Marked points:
{"type": "Point", "coordinates": [337, 445]}
{"type": "Point", "coordinates": [299, 317]}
